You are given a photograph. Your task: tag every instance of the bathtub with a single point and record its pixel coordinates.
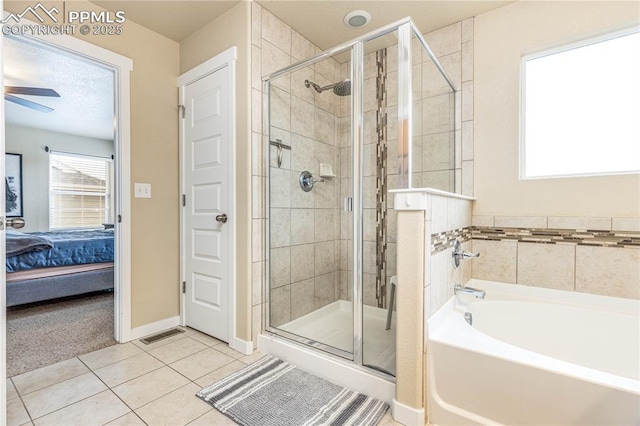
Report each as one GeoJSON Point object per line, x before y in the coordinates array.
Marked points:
{"type": "Point", "coordinates": [534, 356]}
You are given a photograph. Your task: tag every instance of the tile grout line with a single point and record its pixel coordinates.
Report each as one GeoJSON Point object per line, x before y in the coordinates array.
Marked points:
{"type": "Point", "coordinates": [164, 365]}
{"type": "Point", "coordinates": [111, 363]}
{"type": "Point", "coordinates": [109, 388]}
{"type": "Point", "coordinates": [21, 401]}
{"type": "Point", "coordinates": [73, 403]}
{"type": "Point", "coordinates": [112, 391]}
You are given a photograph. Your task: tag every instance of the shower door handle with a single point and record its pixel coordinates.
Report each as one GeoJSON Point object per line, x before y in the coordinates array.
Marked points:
{"type": "Point", "coordinates": [348, 204]}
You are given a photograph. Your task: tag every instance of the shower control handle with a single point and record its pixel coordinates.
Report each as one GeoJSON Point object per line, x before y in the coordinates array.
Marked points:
{"type": "Point", "coordinates": [307, 181]}
{"type": "Point", "coordinates": [459, 254]}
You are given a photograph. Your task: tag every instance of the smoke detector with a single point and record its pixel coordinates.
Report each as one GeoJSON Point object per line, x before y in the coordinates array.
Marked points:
{"type": "Point", "coordinates": [357, 18]}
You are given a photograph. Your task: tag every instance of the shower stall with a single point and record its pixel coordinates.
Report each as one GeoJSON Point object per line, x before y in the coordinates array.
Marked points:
{"type": "Point", "coordinates": [344, 128]}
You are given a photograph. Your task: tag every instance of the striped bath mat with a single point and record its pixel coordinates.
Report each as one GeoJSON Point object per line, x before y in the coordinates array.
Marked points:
{"type": "Point", "coordinates": [274, 392]}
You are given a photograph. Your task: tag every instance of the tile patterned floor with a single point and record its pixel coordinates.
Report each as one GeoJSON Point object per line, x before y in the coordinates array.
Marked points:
{"type": "Point", "coordinates": [129, 384]}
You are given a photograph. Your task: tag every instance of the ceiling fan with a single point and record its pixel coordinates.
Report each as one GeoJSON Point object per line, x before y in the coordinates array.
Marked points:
{"type": "Point", "coordinates": [10, 91]}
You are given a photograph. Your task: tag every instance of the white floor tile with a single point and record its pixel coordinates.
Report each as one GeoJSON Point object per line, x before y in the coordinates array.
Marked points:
{"type": "Point", "coordinates": [110, 355]}
{"type": "Point", "coordinates": [177, 350]}
{"type": "Point", "coordinates": [176, 408]}
{"type": "Point", "coordinates": [16, 413]}
{"type": "Point", "coordinates": [214, 376]}
{"type": "Point", "coordinates": [52, 398]}
{"type": "Point", "coordinates": [250, 359]}
{"type": "Point", "coordinates": [206, 339]}
{"type": "Point", "coordinates": [201, 363]}
{"type": "Point", "coordinates": [11, 390]}
{"type": "Point", "coordinates": [144, 389]}
{"type": "Point", "coordinates": [213, 417]}
{"type": "Point", "coordinates": [127, 369]}
{"type": "Point", "coordinates": [225, 349]}
{"type": "Point", "coordinates": [96, 410]}
{"type": "Point", "coordinates": [49, 375]}
{"type": "Point", "coordinates": [130, 419]}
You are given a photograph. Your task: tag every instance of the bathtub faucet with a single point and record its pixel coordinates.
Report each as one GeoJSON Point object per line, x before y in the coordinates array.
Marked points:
{"type": "Point", "coordinates": [475, 292]}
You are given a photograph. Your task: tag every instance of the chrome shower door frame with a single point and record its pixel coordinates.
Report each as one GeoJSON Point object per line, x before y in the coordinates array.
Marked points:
{"type": "Point", "coordinates": [405, 28]}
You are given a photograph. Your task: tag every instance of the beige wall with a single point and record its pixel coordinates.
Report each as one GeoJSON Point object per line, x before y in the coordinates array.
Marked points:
{"type": "Point", "coordinates": [233, 29]}
{"type": "Point", "coordinates": [35, 166]}
{"type": "Point", "coordinates": [502, 37]}
{"type": "Point", "coordinates": [154, 159]}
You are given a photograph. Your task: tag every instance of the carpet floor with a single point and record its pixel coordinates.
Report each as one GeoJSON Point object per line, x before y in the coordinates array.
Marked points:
{"type": "Point", "coordinates": [43, 334]}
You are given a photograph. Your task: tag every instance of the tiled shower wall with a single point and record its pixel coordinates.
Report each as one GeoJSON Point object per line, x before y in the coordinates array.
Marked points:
{"type": "Point", "coordinates": [304, 226]}
{"type": "Point", "coordinates": [310, 230]}
{"type": "Point", "coordinates": [437, 162]}
{"type": "Point", "coordinates": [588, 255]}
{"type": "Point", "coordinates": [446, 221]}
{"type": "Point", "coordinates": [440, 162]}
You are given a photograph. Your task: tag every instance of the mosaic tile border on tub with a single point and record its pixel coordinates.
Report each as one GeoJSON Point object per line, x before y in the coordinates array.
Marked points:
{"type": "Point", "coordinates": [442, 241]}
{"type": "Point", "coordinates": [620, 239]}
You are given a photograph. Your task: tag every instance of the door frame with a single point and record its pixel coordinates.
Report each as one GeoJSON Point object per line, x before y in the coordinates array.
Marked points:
{"type": "Point", "coordinates": [121, 67]}
{"type": "Point", "coordinates": [224, 59]}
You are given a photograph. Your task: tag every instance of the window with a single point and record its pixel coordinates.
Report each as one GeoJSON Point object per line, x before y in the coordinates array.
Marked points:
{"type": "Point", "coordinates": [79, 191]}
{"type": "Point", "coordinates": [580, 109]}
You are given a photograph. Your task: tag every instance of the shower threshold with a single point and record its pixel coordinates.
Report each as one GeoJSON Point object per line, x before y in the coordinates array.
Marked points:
{"type": "Point", "coordinates": [333, 325]}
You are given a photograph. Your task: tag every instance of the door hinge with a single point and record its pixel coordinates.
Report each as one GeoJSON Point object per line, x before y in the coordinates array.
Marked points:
{"type": "Point", "coordinates": [181, 109]}
{"type": "Point", "coordinates": [184, 200]}
{"type": "Point", "coordinates": [184, 286]}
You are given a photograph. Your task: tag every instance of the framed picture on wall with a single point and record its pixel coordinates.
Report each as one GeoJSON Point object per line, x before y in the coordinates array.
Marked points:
{"type": "Point", "coordinates": [13, 184]}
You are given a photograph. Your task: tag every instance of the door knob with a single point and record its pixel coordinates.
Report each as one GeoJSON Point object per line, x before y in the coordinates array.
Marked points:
{"type": "Point", "coordinates": [222, 218]}
{"type": "Point", "coordinates": [16, 223]}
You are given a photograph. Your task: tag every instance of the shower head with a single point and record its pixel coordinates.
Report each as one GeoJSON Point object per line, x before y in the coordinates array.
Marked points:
{"type": "Point", "coordinates": [341, 88]}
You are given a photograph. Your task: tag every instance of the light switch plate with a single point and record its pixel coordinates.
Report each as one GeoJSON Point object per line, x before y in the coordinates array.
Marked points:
{"type": "Point", "coordinates": [142, 190]}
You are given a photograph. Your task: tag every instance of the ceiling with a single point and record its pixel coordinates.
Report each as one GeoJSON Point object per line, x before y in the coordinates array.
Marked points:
{"type": "Point", "coordinates": [173, 19]}
{"type": "Point", "coordinates": [85, 106]}
{"type": "Point", "coordinates": [89, 94]}
{"type": "Point", "coordinates": [321, 21]}
{"type": "Point", "coordinates": [318, 21]}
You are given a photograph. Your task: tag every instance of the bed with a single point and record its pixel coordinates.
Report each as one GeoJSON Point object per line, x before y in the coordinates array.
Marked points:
{"type": "Point", "coordinates": [48, 265]}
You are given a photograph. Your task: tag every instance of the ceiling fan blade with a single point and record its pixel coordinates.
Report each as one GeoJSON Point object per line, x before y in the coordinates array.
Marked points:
{"type": "Point", "coordinates": [26, 103]}
{"type": "Point", "coordinates": [33, 91]}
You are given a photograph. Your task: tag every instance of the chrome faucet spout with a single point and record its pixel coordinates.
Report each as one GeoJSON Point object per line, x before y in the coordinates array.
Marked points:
{"type": "Point", "coordinates": [475, 292]}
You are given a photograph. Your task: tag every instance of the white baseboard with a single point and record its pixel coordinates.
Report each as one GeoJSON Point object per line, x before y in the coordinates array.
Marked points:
{"type": "Point", "coordinates": [407, 415]}
{"type": "Point", "coordinates": [154, 327]}
{"type": "Point", "coordinates": [242, 346]}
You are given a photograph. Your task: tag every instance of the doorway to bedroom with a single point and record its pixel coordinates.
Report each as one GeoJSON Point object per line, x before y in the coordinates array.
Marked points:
{"type": "Point", "coordinates": [60, 179]}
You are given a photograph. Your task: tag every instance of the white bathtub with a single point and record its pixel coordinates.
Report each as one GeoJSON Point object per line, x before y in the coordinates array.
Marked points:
{"type": "Point", "coordinates": [534, 356]}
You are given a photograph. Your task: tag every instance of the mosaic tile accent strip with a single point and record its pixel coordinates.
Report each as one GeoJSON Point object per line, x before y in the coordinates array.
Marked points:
{"type": "Point", "coordinates": [619, 239]}
{"type": "Point", "coordinates": [381, 179]}
{"type": "Point", "coordinates": [444, 240]}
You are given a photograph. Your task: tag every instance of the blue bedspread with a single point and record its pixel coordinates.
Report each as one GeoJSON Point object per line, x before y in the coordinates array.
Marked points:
{"type": "Point", "coordinates": [69, 248]}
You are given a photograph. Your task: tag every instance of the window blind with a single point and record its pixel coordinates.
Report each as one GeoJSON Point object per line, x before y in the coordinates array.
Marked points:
{"type": "Point", "coordinates": [80, 189]}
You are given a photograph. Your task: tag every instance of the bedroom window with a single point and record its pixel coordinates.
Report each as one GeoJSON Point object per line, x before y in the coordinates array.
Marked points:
{"type": "Point", "coordinates": [80, 191]}
{"type": "Point", "coordinates": [580, 108]}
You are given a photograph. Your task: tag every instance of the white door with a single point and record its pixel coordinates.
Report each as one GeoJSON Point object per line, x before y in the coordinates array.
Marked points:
{"type": "Point", "coordinates": [206, 179]}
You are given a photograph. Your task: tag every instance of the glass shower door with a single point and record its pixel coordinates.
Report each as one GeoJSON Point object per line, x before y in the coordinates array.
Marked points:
{"type": "Point", "coordinates": [379, 171]}
{"type": "Point", "coordinates": [310, 224]}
